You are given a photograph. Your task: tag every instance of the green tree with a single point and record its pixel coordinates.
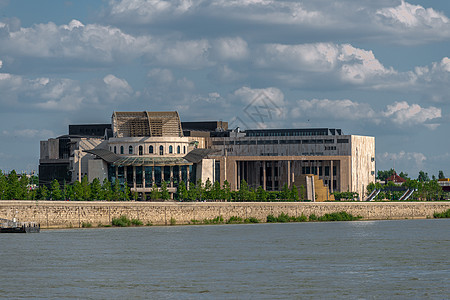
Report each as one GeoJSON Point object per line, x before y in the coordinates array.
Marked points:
{"type": "Point", "coordinates": [165, 195]}
{"type": "Point", "coordinates": [23, 187]}
{"type": "Point", "coordinates": [201, 192]}
{"type": "Point", "coordinates": [216, 191]}
{"type": "Point", "coordinates": [3, 185]}
{"type": "Point", "coordinates": [126, 192]}
{"type": "Point", "coordinates": [78, 193]}
{"type": "Point", "coordinates": [96, 190]}
{"type": "Point", "coordinates": [86, 188]}
{"type": "Point", "coordinates": [226, 191]}
{"type": "Point", "coordinates": [285, 192]}
{"type": "Point", "coordinates": [182, 191]}
{"type": "Point", "coordinates": [43, 193]}
{"type": "Point", "coordinates": [243, 191]}
{"type": "Point", "coordinates": [294, 193]}
{"type": "Point", "coordinates": [55, 190]}
{"type": "Point", "coordinates": [383, 175]}
{"type": "Point", "coordinates": [208, 188]}
{"type": "Point", "coordinates": [13, 186]}
{"type": "Point", "coordinates": [106, 191]}
{"type": "Point", "coordinates": [403, 175]}
{"type": "Point", "coordinates": [261, 194]}
{"type": "Point", "coordinates": [423, 177]}
{"type": "Point", "coordinates": [117, 191]}
{"type": "Point", "coordinates": [155, 194]}
{"type": "Point", "coordinates": [441, 175]}
{"type": "Point", "coordinates": [302, 194]}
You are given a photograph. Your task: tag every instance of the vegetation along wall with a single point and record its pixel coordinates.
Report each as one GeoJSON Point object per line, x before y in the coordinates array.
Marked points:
{"type": "Point", "coordinates": [60, 214]}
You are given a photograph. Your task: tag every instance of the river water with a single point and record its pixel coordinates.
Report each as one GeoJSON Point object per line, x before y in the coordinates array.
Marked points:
{"type": "Point", "coordinates": [407, 259]}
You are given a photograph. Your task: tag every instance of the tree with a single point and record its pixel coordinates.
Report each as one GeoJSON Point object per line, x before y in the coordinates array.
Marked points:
{"type": "Point", "coordinates": [165, 195]}
{"type": "Point", "coordinates": [261, 194]}
{"type": "Point", "coordinates": [117, 191]}
{"type": "Point", "coordinates": [155, 194]}
{"type": "Point", "coordinates": [78, 194]}
{"type": "Point", "coordinates": [383, 175]}
{"type": "Point", "coordinates": [294, 193]}
{"type": "Point", "coordinates": [3, 185]}
{"type": "Point", "coordinates": [182, 191]}
{"type": "Point", "coordinates": [13, 187]}
{"type": "Point", "coordinates": [95, 189]}
{"type": "Point", "coordinates": [216, 191]}
{"type": "Point", "coordinates": [23, 187]}
{"type": "Point", "coordinates": [285, 192]}
{"type": "Point", "coordinates": [106, 191]}
{"type": "Point", "coordinates": [226, 191]}
{"type": "Point", "coordinates": [403, 175]}
{"type": "Point", "coordinates": [85, 189]}
{"type": "Point", "coordinates": [43, 193]}
{"type": "Point", "coordinates": [302, 192]}
{"type": "Point", "coordinates": [441, 175]}
{"type": "Point", "coordinates": [423, 177]}
{"type": "Point", "coordinates": [207, 189]}
{"type": "Point", "coordinates": [243, 191]}
{"type": "Point", "coordinates": [55, 190]}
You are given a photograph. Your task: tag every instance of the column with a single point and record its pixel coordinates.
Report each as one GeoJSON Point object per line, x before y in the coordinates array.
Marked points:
{"type": "Point", "coordinates": [238, 174]}
{"type": "Point", "coordinates": [264, 174]}
{"type": "Point", "coordinates": [117, 173]}
{"type": "Point", "coordinates": [188, 178]}
{"type": "Point", "coordinates": [292, 170]}
{"type": "Point", "coordinates": [171, 176]}
{"type": "Point", "coordinates": [143, 177]}
{"type": "Point", "coordinates": [153, 175]}
{"type": "Point", "coordinates": [289, 173]}
{"type": "Point", "coordinates": [134, 176]}
{"type": "Point", "coordinates": [331, 175]}
{"type": "Point", "coordinates": [125, 173]}
{"type": "Point", "coordinates": [273, 174]}
{"type": "Point", "coordinates": [162, 174]}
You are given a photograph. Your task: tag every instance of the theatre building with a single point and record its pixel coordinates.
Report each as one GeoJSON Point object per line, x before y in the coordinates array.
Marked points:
{"type": "Point", "coordinates": [142, 149]}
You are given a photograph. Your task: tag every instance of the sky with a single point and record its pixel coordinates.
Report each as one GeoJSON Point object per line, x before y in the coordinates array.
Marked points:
{"type": "Point", "coordinates": [377, 68]}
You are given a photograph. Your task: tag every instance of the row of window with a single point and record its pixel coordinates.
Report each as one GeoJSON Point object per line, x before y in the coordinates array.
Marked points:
{"type": "Point", "coordinates": [150, 150]}
{"type": "Point", "coordinates": [269, 142]}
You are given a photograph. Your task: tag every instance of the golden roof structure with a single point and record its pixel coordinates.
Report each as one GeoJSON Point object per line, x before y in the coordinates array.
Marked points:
{"type": "Point", "coordinates": [146, 124]}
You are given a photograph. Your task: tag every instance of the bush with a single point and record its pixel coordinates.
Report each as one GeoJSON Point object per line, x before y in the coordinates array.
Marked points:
{"type": "Point", "coordinates": [123, 221]}
{"type": "Point", "coordinates": [173, 221]}
{"type": "Point", "coordinates": [136, 222]}
{"type": "Point", "coordinates": [283, 218]}
{"type": "Point", "coordinates": [216, 220]}
{"type": "Point", "coordinates": [271, 219]}
{"type": "Point", "coordinates": [234, 220]}
{"type": "Point", "coordinates": [251, 220]}
{"type": "Point", "coordinates": [312, 217]}
{"type": "Point", "coordinates": [445, 214]}
{"type": "Point", "coordinates": [339, 216]}
{"type": "Point", "coordinates": [86, 225]}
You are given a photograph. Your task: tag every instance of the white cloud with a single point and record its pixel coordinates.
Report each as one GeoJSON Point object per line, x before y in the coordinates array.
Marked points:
{"type": "Point", "coordinates": [29, 133]}
{"type": "Point", "coordinates": [1, 63]}
{"type": "Point", "coordinates": [249, 95]}
{"type": "Point", "coordinates": [333, 109]}
{"type": "Point", "coordinates": [402, 160]}
{"type": "Point", "coordinates": [402, 113]}
{"type": "Point", "coordinates": [61, 94]}
{"type": "Point", "coordinates": [231, 48]}
{"type": "Point", "coordinates": [163, 76]}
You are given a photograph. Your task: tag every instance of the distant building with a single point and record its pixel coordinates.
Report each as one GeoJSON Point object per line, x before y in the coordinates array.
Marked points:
{"type": "Point", "coordinates": [396, 179]}
{"type": "Point", "coordinates": [146, 148]}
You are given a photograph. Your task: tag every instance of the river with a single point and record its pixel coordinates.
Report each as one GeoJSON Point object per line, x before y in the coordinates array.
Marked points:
{"type": "Point", "coordinates": [401, 259]}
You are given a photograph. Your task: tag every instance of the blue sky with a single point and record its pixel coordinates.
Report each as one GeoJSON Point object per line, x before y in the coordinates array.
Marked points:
{"type": "Point", "coordinates": [378, 68]}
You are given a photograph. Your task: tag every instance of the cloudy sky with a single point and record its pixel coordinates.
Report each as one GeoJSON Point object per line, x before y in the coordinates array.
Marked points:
{"type": "Point", "coordinates": [378, 68]}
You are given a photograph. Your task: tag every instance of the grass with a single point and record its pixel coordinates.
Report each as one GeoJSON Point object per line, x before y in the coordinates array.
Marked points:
{"type": "Point", "coordinates": [123, 221]}
{"type": "Point", "coordinates": [338, 216]}
{"type": "Point", "coordinates": [86, 225]}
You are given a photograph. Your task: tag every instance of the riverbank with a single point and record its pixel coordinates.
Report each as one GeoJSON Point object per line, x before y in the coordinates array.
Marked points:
{"type": "Point", "coordinates": [73, 214]}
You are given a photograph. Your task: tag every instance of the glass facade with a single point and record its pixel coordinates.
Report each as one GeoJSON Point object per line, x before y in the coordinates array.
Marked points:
{"type": "Point", "coordinates": [148, 177]}
{"type": "Point", "coordinates": [158, 176]}
{"type": "Point", "coordinates": [139, 176]}
{"type": "Point", "coordinates": [176, 175]}
{"type": "Point", "coordinates": [167, 175]}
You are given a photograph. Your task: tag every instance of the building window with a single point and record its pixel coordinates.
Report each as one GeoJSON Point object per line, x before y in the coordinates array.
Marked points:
{"type": "Point", "coordinates": [184, 149]}
{"type": "Point", "coordinates": [130, 150]}
{"type": "Point", "coordinates": [141, 149]}
{"type": "Point", "coordinates": [115, 149]}
{"type": "Point", "coordinates": [170, 149]}
{"type": "Point", "coordinates": [150, 149]}
{"type": "Point", "coordinates": [121, 149]}
{"type": "Point", "coordinates": [161, 150]}
{"type": "Point", "coordinates": [178, 149]}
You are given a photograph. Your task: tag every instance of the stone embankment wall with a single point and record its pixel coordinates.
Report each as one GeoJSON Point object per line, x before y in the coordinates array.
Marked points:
{"type": "Point", "coordinates": [60, 214]}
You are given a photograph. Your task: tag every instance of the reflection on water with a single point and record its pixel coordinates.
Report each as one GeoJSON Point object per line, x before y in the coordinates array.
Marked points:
{"type": "Point", "coordinates": [367, 259]}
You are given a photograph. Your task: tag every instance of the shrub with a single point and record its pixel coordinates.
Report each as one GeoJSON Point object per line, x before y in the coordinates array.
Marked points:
{"type": "Point", "coordinates": [149, 224]}
{"type": "Point", "coordinates": [339, 216]}
{"type": "Point", "coordinates": [216, 220]}
{"type": "Point", "coordinates": [123, 221]}
{"type": "Point", "coordinates": [271, 219]}
{"type": "Point", "coordinates": [173, 221]}
{"type": "Point", "coordinates": [445, 214]}
{"type": "Point", "coordinates": [312, 217]}
{"type": "Point", "coordinates": [194, 221]}
{"type": "Point", "coordinates": [86, 225]}
{"type": "Point", "coordinates": [251, 220]}
{"type": "Point", "coordinates": [136, 222]}
{"type": "Point", "coordinates": [234, 220]}
{"type": "Point", "coordinates": [283, 218]}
